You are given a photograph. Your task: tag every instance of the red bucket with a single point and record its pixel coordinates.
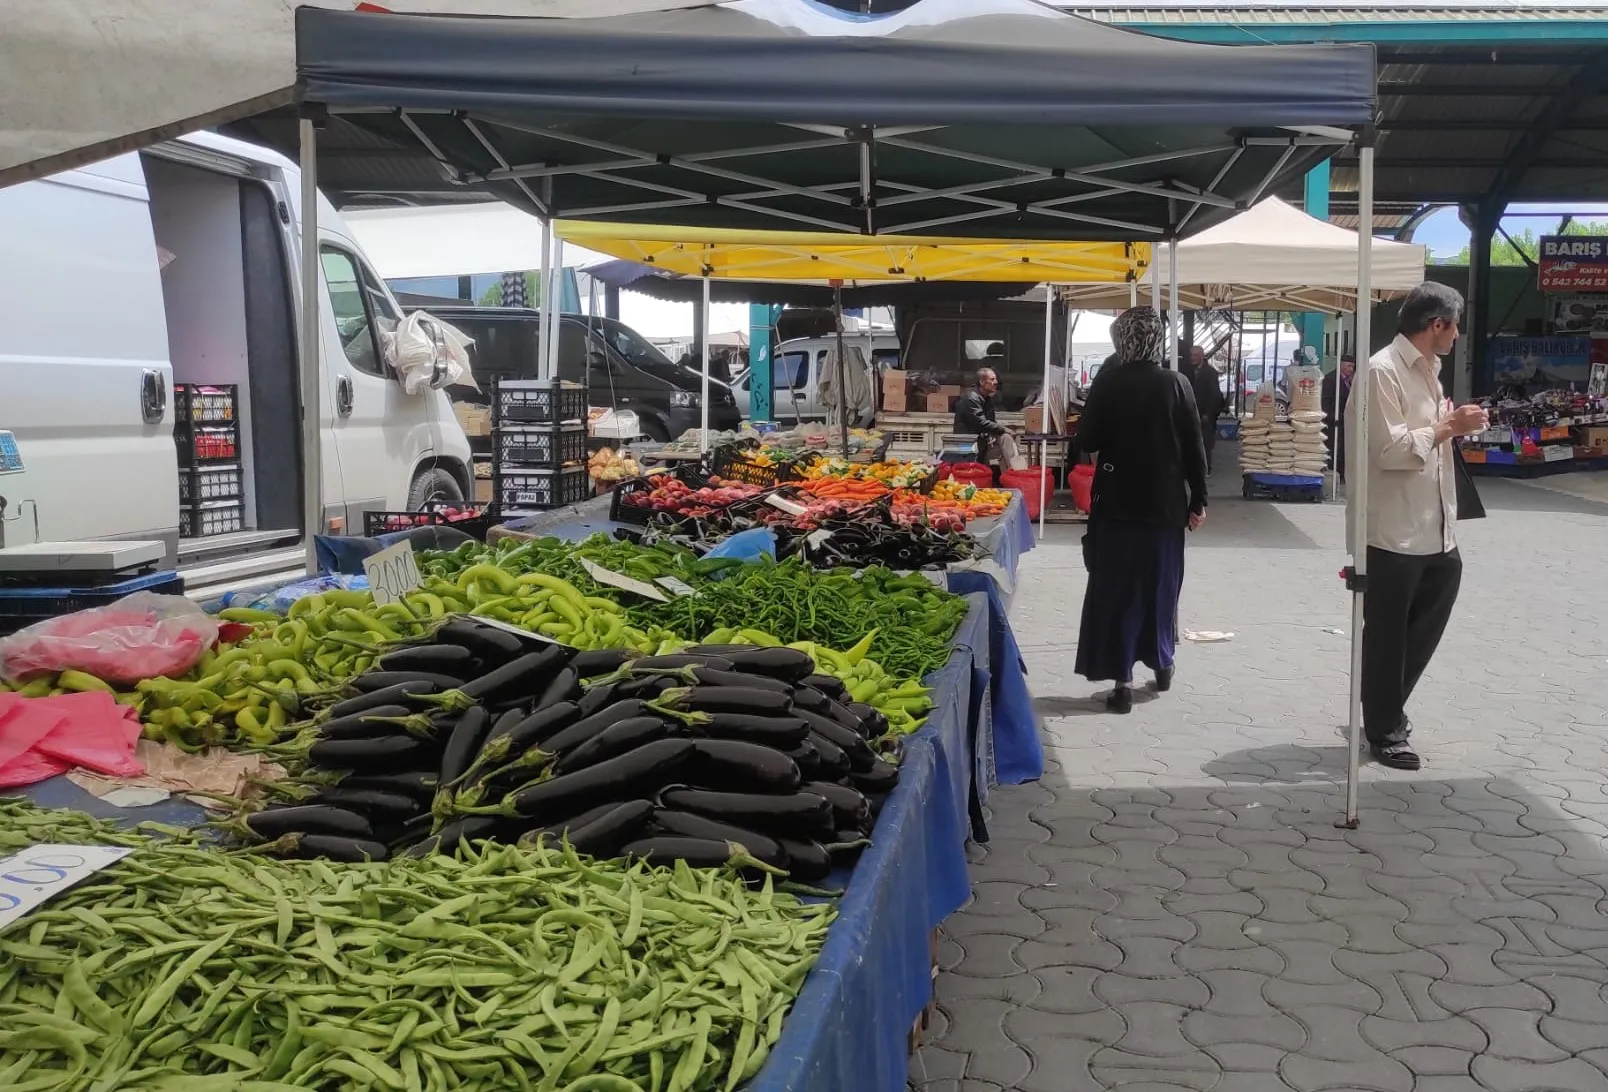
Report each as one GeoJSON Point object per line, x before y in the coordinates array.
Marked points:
{"type": "Point", "coordinates": [1081, 483]}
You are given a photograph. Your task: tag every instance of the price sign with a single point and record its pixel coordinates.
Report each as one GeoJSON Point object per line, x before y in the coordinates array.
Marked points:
{"type": "Point", "coordinates": [792, 508]}
{"type": "Point", "coordinates": [525, 634]}
{"type": "Point", "coordinates": [679, 587]}
{"type": "Point", "coordinates": [392, 573]}
{"type": "Point", "coordinates": [623, 582]}
{"type": "Point", "coordinates": [38, 873]}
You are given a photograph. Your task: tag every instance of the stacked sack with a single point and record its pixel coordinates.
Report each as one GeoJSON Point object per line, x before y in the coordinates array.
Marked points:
{"type": "Point", "coordinates": [1281, 448]}
{"type": "Point", "coordinates": [1256, 435]}
{"type": "Point", "coordinates": [1311, 447]}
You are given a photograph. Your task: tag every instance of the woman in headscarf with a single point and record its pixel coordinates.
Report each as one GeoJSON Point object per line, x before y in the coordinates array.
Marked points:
{"type": "Point", "coordinates": [1149, 485]}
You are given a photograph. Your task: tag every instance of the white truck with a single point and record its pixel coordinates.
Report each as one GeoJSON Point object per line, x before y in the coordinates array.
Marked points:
{"type": "Point", "coordinates": [179, 264]}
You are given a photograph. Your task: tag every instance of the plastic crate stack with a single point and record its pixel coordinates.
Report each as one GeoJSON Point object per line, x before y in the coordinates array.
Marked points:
{"type": "Point", "coordinates": [538, 445]}
{"type": "Point", "coordinates": [211, 475]}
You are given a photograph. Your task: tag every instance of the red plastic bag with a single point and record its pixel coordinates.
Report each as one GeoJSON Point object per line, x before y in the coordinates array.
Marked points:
{"type": "Point", "coordinates": [1081, 482]}
{"type": "Point", "coordinates": [1029, 482]}
{"type": "Point", "coordinates": [29, 769]}
{"type": "Point", "coordinates": [140, 636]}
{"type": "Point", "coordinates": [971, 473]}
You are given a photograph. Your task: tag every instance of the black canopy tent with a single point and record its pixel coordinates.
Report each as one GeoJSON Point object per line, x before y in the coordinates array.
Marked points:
{"type": "Point", "coordinates": [1004, 119]}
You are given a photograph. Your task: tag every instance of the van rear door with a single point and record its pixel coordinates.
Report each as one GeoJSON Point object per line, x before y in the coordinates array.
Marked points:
{"type": "Point", "coordinates": [85, 383]}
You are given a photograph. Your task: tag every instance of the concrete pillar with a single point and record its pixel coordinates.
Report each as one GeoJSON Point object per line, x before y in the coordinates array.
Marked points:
{"type": "Point", "coordinates": [611, 302]}
{"type": "Point", "coordinates": [1315, 200]}
{"type": "Point", "coordinates": [761, 319]}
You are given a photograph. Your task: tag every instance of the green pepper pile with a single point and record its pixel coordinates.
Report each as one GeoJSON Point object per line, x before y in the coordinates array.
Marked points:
{"type": "Point", "coordinates": [183, 969]}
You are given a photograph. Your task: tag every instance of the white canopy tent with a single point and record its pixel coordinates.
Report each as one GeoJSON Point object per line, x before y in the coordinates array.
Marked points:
{"type": "Point", "coordinates": [1272, 257]}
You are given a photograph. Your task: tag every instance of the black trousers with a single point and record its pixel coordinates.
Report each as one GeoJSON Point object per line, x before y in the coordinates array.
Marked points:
{"type": "Point", "coordinates": [1208, 435]}
{"type": "Point", "coordinates": [1404, 613]}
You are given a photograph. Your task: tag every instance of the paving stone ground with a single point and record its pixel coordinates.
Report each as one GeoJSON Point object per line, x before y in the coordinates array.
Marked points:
{"type": "Point", "coordinates": [1172, 908]}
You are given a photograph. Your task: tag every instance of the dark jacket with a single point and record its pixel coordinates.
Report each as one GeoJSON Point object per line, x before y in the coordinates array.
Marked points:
{"type": "Point", "coordinates": [974, 415]}
{"type": "Point", "coordinates": [1151, 466]}
{"type": "Point", "coordinates": [1207, 385]}
{"type": "Point", "coordinates": [1334, 396]}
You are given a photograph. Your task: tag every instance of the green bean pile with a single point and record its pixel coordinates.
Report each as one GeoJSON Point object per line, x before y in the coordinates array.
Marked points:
{"type": "Point", "coordinates": [186, 969]}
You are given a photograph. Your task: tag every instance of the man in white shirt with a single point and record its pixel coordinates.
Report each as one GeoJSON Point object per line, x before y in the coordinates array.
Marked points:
{"type": "Point", "coordinates": [1413, 566]}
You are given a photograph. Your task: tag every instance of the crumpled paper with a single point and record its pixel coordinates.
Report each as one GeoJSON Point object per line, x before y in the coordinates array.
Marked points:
{"type": "Point", "coordinates": [171, 771]}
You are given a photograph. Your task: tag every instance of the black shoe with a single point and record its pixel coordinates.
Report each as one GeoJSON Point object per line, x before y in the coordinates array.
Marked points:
{"type": "Point", "coordinates": [1164, 680]}
{"type": "Point", "coordinates": [1120, 700]}
{"type": "Point", "coordinates": [1398, 756]}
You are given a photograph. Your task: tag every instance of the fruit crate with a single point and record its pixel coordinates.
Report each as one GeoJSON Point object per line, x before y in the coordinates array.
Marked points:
{"type": "Point", "coordinates": [203, 444]}
{"type": "Point", "coordinates": [208, 518]}
{"type": "Point", "coordinates": [208, 483]}
{"type": "Point", "coordinates": [206, 403]}
{"type": "Point", "coordinates": [475, 524]}
{"type": "Point", "coordinates": [736, 465]}
{"type": "Point", "coordinates": [521, 489]}
{"type": "Point", "coordinates": [621, 510]}
{"type": "Point", "coordinates": [546, 447]}
{"type": "Point", "coordinates": [538, 402]}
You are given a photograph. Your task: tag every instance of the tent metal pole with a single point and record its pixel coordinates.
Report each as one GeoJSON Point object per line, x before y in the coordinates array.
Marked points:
{"type": "Point", "coordinates": [1044, 420]}
{"type": "Point", "coordinates": [1357, 480]}
{"type": "Point", "coordinates": [312, 370]}
{"type": "Point", "coordinates": [555, 278]}
{"type": "Point", "coordinates": [842, 370]}
{"type": "Point", "coordinates": [544, 326]}
{"type": "Point", "coordinates": [1133, 293]}
{"type": "Point", "coordinates": [1155, 284]}
{"type": "Point", "coordinates": [703, 399]}
{"type": "Point", "coordinates": [1172, 300]}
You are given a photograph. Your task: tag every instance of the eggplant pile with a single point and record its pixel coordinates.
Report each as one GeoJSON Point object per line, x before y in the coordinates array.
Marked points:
{"type": "Point", "coordinates": [724, 754]}
{"type": "Point", "coordinates": [371, 765]}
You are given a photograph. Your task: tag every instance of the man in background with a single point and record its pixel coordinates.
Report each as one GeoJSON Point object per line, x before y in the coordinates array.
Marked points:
{"type": "Point", "coordinates": [1335, 393]}
{"type": "Point", "coordinates": [1207, 385]}
{"type": "Point", "coordinates": [1414, 569]}
{"type": "Point", "coordinates": [975, 416]}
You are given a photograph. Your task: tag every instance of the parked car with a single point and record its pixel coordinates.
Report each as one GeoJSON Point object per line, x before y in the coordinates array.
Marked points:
{"type": "Point", "coordinates": [621, 368]}
{"type": "Point", "coordinates": [796, 375]}
{"type": "Point", "coordinates": [178, 264]}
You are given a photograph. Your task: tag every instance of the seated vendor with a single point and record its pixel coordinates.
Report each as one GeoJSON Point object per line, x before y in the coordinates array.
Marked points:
{"type": "Point", "coordinates": [974, 416]}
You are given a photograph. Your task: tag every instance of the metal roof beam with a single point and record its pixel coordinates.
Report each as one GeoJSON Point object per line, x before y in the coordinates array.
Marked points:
{"type": "Point", "coordinates": [1589, 81]}
{"type": "Point", "coordinates": [1480, 125]}
{"type": "Point", "coordinates": [1518, 57]}
{"type": "Point", "coordinates": [1391, 163]}
{"type": "Point", "coordinates": [1413, 89]}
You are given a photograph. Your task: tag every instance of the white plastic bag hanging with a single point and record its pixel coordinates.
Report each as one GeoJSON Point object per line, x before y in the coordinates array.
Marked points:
{"type": "Point", "coordinates": [428, 353]}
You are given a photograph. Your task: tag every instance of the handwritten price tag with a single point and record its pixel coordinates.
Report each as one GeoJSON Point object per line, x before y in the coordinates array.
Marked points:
{"type": "Point", "coordinates": [29, 878]}
{"type": "Point", "coordinates": [679, 587]}
{"type": "Point", "coordinates": [392, 573]}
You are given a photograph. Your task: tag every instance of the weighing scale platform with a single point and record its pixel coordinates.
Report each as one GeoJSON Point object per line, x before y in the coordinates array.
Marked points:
{"type": "Point", "coordinates": [75, 561]}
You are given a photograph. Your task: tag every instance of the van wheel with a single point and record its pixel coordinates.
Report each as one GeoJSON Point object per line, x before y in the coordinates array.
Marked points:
{"type": "Point", "coordinates": [433, 486]}
{"type": "Point", "coordinates": [655, 430]}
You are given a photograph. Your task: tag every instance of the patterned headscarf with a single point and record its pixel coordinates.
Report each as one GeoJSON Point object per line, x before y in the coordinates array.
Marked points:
{"type": "Point", "coordinates": [1138, 334]}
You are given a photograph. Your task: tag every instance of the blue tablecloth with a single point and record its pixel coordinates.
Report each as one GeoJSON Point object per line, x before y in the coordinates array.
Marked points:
{"type": "Point", "coordinates": [849, 1030]}
{"type": "Point", "coordinates": [1016, 751]}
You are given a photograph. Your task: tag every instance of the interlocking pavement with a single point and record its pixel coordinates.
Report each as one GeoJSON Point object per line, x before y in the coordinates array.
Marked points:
{"type": "Point", "coordinates": [1172, 907]}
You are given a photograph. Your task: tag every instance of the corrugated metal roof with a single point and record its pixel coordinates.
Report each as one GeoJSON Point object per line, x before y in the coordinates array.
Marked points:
{"type": "Point", "coordinates": [1324, 12]}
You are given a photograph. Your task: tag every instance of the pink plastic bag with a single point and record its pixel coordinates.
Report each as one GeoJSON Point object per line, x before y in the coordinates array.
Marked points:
{"type": "Point", "coordinates": [95, 733]}
{"type": "Point", "coordinates": [140, 636]}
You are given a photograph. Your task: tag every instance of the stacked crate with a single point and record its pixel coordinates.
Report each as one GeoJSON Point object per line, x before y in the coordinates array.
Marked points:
{"type": "Point", "coordinates": [538, 445]}
{"type": "Point", "coordinates": [211, 475]}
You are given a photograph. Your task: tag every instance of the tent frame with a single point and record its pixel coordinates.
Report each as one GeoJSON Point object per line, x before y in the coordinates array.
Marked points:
{"type": "Point", "coordinates": [855, 200]}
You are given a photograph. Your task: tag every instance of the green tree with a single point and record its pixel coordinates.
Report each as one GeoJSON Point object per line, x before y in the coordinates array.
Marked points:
{"type": "Point", "coordinates": [1504, 252]}
{"type": "Point", "coordinates": [492, 296]}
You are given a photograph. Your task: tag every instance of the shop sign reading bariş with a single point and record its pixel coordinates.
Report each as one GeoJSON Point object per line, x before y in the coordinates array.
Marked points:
{"type": "Point", "coordinates": [1573, 263]}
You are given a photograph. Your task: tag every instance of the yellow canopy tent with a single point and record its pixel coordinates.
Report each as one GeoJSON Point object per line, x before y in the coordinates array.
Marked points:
{"type": "Point", "coordinates": [824, 257]}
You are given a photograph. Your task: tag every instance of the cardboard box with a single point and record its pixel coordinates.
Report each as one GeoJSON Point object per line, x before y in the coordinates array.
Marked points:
{"type": "Point", "coordinates": [894, 382]}
{"type": "Point", "coordinates": [483, 491]}
{"type": "Point", "coordinates": [476, 420]}
{"type": "Point", "coordinates": [894, 401]}
{"type": "Point", "coordinates": [1595, 438]}
{"type": "Point", "coordinates": [939, 402]}
{"type": "Point", "coordinates": [1033, 419]}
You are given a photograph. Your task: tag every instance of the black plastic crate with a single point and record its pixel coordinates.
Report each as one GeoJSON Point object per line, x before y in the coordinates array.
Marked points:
{"type": "Point", "coordinates": [538, 402]}
{"type": "Point", "coordinates": [476, 526]}
{"type": "Point", "coordinates": [23, 606]}
{"type": "Point", "coordinates": [518, 488]}
{"type": "Point", "coordinates": [200, 445]}
{"type": "Point", "coordinates": [206, 403]}
{"type": "Point", "coordinates": [211, 518]}
{"type": "Point", "coordinates": [621, 511]}
{"type": "Point", "coordinates": [546, 447]}
{"type": "Point", "coordinates": [209, 483]}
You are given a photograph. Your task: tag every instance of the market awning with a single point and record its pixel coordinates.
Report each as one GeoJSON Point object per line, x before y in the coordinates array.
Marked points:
{"type": "Point", "coordinates": [672, 287]}
{"type": "Point", "coordinates": [821, 258]}
{"type": "Point", "coordinates": [1274, 257]}
{"type": "Point", "coordinates": [997, 119]}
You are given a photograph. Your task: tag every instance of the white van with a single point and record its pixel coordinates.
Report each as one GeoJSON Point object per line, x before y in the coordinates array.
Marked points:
{"type": "Point", "coordinates": [796, 375]}
{"type": "Point", "coordinates": [179, 264]}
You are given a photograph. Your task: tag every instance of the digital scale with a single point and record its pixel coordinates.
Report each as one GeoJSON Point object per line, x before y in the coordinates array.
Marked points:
{"type": "Point", "coordinates": [78, 563]}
